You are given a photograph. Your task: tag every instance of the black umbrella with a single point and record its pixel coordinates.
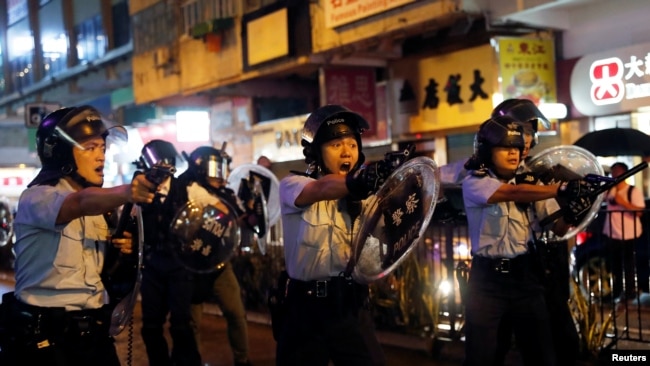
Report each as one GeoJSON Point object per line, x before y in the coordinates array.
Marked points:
{"type": "Point", "coordinates": [616, 142]}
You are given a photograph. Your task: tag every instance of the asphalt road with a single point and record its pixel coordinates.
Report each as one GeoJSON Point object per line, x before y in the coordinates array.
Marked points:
{"type": "Point", "coordinates": [399, 349]}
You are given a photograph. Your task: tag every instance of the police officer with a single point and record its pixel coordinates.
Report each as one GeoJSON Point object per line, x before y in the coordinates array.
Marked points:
{"type": "Point", "coordinates": [328, 317]}
{"type": "Point", "coordinates": [166, 288]}
{"type": "Point", "coordinates": [57, 313]}
{"type": "Point", "coordinates": [505, 279]}
{"type": "Point", "coordinates": [554, 254]}
{"type": "Point", "coordinates": [206, 178]}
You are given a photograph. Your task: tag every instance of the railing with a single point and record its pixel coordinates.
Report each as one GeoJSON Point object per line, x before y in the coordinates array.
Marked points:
{"type": "Point", "coordinates": [424, 295]}
{"type": "Point", "coordinates": [624, 296]}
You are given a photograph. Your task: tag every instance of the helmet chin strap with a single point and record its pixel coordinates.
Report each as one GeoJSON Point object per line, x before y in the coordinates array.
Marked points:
{"type": "Point", "coordinates": [77, 178]}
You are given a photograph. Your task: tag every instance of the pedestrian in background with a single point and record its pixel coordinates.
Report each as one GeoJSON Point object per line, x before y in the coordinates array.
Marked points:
{"type": "Point", "coordinates": [622, 229]}
{"type": "Point", "coordinates": [58, 314]}
{"type": "Point", "coordinates": [265, 162]}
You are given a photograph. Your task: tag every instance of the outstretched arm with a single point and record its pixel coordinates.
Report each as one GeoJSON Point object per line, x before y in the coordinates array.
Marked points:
{"type": "Point", "coordinates": [96, 201]}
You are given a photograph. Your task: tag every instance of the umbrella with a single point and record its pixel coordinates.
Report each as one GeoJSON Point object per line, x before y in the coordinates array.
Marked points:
{"type": "Point", "coordinates": [616, 142]}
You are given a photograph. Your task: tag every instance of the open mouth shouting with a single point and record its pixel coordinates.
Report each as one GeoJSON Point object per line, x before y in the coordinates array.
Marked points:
{"type": "Point", "coordinates": [345, 168]}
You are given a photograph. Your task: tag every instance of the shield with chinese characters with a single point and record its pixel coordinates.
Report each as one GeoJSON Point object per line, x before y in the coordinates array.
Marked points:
{"type": "Point", "coordinates": [394, 220]}
{"type": "Point", "coordinates": [206, 236]}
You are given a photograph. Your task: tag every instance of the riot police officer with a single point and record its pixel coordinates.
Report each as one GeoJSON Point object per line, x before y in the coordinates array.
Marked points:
{"type": "Point", "coordinates": [327, 314]}
{"type": "Point", "coordinates": [57, 313]}
{"type": "Point", "coordinates": [205, 178]}
{"type": "Point", "coordinates": [166, 284]}
{"type": "Point", "coordinates": [505, 280]}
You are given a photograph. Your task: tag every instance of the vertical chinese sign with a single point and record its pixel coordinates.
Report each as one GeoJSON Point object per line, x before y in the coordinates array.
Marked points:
{"type": "Point", "coordinates": [355, 88]}
{"type": "Point", "coordinates": [527, 68]}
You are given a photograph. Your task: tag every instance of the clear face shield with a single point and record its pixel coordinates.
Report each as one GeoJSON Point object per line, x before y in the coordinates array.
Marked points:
{"type": "Point", "coordinates": [216, 167]}
{"type": "Point", "coordinates": [115, 135]}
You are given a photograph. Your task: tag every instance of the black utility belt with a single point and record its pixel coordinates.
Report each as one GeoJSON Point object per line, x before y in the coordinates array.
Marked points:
{"type": "Point", "coordinates": [329, 288]}
{"type": "Point", "coordinates": [82, 321]}
{"type": "Point", "coordinates": [518, 264]}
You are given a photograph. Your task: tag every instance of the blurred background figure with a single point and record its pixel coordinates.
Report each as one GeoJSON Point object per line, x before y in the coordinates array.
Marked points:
{"type": "Point", "coordinates": [166, 289]}
{"type": "Point", "coordinates": [265, 162]}
{"type": "Point", "coordinates": [621, 233]}
{"type": "Point", "coordinates": [205, 179]}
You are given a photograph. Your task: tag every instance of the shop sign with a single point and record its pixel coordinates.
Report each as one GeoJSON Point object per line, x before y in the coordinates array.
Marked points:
{"type": "Point", "coordinates": [612, 82]}
{"type": "Point", "coordinates": [527, 70]}
{"type": "Point", "coordinates": [449, 91]}
{"type": "Point", "coordinates": [13, 181]}
{"type": "Point", "coordinates": [339, 12]}
{"type": "Point", "coordinates": [356, 89]}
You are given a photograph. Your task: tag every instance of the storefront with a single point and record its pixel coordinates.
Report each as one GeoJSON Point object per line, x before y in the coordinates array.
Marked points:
{"type": "Point", "coordinates": [611, 89]}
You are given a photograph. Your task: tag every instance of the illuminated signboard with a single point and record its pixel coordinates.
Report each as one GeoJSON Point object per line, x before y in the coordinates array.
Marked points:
{"type": "Point", "coordinates": [612, 82]}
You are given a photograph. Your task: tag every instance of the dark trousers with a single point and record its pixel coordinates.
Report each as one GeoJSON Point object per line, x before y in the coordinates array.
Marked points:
{"type": "Point", "coordinates": [557, 291]}
{"type": "Point", "coordinates": [53, 336]}
{"type": "Point", "coordinates": [507, 298]}
{"type": "Point", "coordinates": [643, 262]}
{"type": "Point", "coordinates": [167, 289]}
{"type": "Point", "coordinates": [337, 328]}
{"type": "Point", "coordinates": [621, 259]}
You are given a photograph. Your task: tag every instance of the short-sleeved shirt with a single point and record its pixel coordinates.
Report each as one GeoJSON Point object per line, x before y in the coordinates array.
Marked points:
{"type": "Point", "coordinates": [623, 225]}
{"type": "Point", "coordinates": [58, 265]}
{"type": "Point", "coordinates": [502, 229]}
{"type": "Point", "coordinates": [318, 237]}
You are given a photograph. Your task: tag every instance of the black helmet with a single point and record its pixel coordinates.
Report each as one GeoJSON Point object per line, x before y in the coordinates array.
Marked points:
{"type": "Point", "coordinates": [57, 133]}
{"type": "Point", "coordinates": [501, 131]}
{"type": "Point", "coordinates": [156, 152]}
{"type": "Point", "coordinates": [525, 112]}
{"type": "Point", "coordinates": [208, 162]}
{"type": "Point", "coordinates": [328, 123]}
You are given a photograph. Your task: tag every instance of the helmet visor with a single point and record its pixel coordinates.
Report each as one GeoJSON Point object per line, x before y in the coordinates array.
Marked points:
{"type": "Point", "coordinates": [216, 167]}
{"type": "Point", "coordinates": [114, 135]}
{"type": "Point", "coordinates": [156, 154]}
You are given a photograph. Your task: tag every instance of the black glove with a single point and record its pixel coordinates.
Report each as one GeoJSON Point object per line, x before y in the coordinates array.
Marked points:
{"type": "Point", "coordinates": [575, 188]}
{"type": "Point", "coordinates": [575, 210]}
{"type": "Point", "coordinates": [526, 178]}
{"type": "Point", "coordinates": [366, 180]}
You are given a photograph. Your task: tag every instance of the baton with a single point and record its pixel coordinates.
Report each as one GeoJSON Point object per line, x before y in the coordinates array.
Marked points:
{"type": "Point", "coordinates": [609, 183]}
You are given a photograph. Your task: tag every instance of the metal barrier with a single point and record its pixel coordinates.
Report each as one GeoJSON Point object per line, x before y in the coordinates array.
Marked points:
{"type": "Point", "coordinates": [614, 277]}
{"type": "Point", "coordinates": [424, 296]}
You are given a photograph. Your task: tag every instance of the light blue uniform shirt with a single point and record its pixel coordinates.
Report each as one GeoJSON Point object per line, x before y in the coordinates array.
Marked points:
{"type": "Point", "coordinates": [317, 238]}
{"type": "Point", "coordinates": [58, 265]}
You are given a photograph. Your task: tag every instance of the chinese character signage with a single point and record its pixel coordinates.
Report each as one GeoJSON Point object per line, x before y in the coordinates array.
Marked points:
{"type": "Point", "coordinates": [527, 68]}
{"type": "Point", "coordinates": [612, 82]}
{"type": "Point", "coordinates": [448, 91]}
{"type": "Point", "coordinates": [339, 12]}
{"type": "Point", "coordinates": [356, 89]}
